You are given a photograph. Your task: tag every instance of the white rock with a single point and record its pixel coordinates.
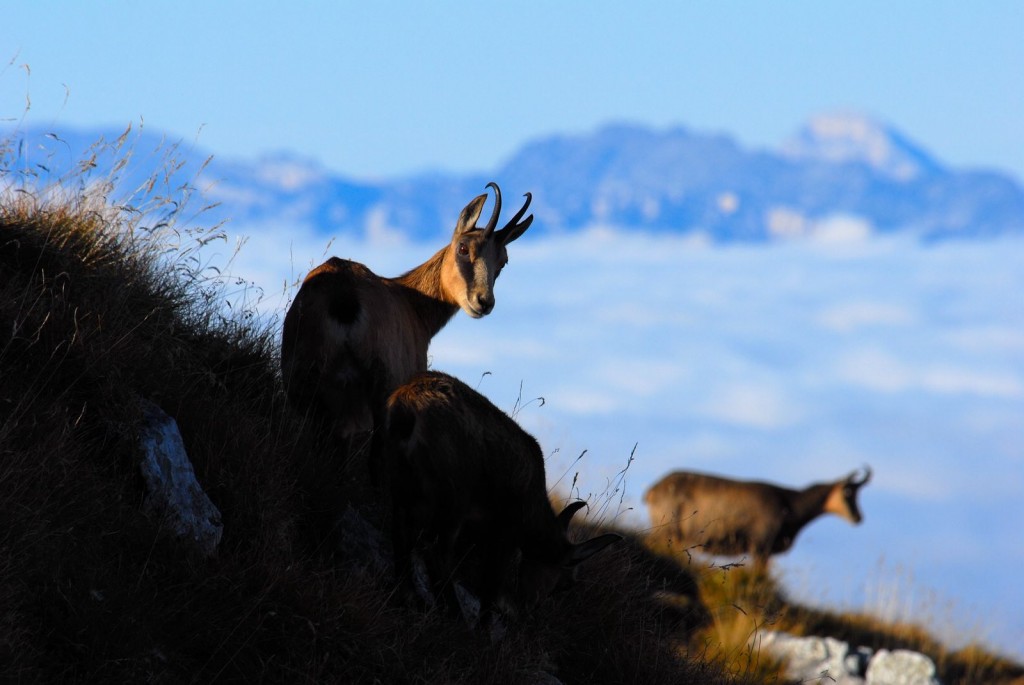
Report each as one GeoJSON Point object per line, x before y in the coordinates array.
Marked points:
{"type": "Point", "coordinates": [811, 659]}
{"type": "Point", "coordinates": [827, 660]}
{"type": "Point", "coordinates": [901, 667]}
{"type": "Point", "coordinates": [173, 493]}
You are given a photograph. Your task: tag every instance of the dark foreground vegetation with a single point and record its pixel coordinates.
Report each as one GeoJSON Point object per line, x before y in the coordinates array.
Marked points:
{"type": "Point", "coordinates": [100, 310]}
{"type": "Point", "coordinates": [96, 313]}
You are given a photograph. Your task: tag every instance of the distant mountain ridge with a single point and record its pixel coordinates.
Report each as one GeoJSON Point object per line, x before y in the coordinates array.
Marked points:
{"type": "Point", "coordinates": [840, 167]}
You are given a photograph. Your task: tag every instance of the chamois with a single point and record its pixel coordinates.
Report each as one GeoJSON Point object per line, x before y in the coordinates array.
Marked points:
{"type": "Point", "coordinates": [468, 492]}
{"type": "Point", "coordinates": [729, 517]}
{"type": "Point", "coordinates": [350, 337]}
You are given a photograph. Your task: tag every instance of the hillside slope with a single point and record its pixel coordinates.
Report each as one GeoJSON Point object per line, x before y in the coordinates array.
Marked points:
{"type": "Point", "coordinates": [95, 316]}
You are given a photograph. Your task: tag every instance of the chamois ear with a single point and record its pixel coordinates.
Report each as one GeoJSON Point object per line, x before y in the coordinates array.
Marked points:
{"type": "Point", "coordinates": [470, 214]}
{"type": "Point", "coordinates": [585, 550]}
{"type": "Point", "coordinates": [570, 510]}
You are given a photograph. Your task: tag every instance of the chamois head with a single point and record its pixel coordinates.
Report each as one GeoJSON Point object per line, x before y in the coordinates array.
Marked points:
{"type": "Point", "coordinates": [541, 577]}
{"type": "Point", "coordinates": [476, 255]}
{"type": "Point", "coordinates": [842, 500]}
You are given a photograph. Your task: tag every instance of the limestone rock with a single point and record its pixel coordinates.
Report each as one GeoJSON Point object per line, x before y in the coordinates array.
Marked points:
{"type": "Point", "coordinates": [811, 659]}
{"type": "Point", "coordinates": [901, 667]}
{"type": "Point", "coordinates": [827, 660]}
{"type": "Point", "coordinates": [173, 493]}
{"type": "Point", "coordinates": [363, 544]}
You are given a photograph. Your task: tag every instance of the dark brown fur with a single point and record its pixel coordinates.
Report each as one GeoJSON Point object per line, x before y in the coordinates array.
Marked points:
{"type": "Point", "coordinates": [469, 491]}
{"type": "Point", "coordinates": [351, 337]}
{"type": "Point", "coordinates": [731, 517]}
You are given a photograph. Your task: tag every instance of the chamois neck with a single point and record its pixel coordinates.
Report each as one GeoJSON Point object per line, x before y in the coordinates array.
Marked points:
{"type": "Point", "coordinates": [809, 503]}
{"type": "Point", "coordinates": [434, 306]}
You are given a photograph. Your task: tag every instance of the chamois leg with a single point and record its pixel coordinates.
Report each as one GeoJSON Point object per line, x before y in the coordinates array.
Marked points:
{"type": "Point", "coordinates": [496, 575]}
{"type": "Point", "coordinates": [417, 585]}
{"type": "Point", "coordinates": [449, 558]}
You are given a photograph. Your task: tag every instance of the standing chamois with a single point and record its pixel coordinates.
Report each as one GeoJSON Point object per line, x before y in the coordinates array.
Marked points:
{"type": "Point", "coordinates": [351, 337]}
{"type": "Point", "coordinates": [730, 517]}
{"type": "Point", "coordinates": [469, 494]}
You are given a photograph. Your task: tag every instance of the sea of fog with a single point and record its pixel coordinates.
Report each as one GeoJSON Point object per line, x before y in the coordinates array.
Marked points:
{"type": "Point", "coordinates": [794, 363]}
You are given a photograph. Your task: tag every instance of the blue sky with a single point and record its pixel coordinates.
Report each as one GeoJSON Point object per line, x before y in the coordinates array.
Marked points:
{"type": "Point", "coordinates": [375, 89]}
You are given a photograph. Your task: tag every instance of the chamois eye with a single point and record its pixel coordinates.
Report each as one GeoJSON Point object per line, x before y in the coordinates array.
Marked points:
{"type": "Point", "coordinates": [463, 250]}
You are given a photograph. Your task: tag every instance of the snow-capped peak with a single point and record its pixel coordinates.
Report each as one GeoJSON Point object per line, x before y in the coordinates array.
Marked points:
{"type": "Point", "coordinates": [289, 172]}
{"type": "Point", "coordinates": [844, 137]}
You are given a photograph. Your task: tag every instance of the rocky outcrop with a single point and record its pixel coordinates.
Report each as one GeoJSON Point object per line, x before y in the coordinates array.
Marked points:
{"type": "Point", "coordinates": [901, 667]}
{"type": "Point", "coordinates": [827, 660]}
{"type": "Point", "coordinates": [172, 492]}
{"type": "Point", "coordinates": [363, 545]}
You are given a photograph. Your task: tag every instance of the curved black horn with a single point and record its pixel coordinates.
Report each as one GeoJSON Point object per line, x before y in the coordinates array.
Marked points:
{"type": "Point", "coordinates": [521, 212]}
{"type": "Point", "coordinates": [568, 512]}
{"type": "Point", "coordinates": [489, 228]}
{"type": "Point", "coordinates": [515, 228]}
{"type": "Point", "coordinates": [864, 479]}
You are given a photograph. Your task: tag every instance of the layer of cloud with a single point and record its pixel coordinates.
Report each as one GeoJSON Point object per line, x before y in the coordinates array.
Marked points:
{"type": "Point", "coordinates": [877, 369]}
{"type": "Point", "coordinates": [846, 317]}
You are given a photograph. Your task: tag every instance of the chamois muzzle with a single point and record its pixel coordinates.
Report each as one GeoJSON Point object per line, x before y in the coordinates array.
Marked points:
{"type": "Point", "coordinates": [483, 303]}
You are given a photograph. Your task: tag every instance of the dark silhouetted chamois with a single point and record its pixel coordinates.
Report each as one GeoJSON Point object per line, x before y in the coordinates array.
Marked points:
{"type": "Point", "coordinates": [730, 517]}
{"type": "Point", "coordinates": [469, 494]}
{"type": "Point", "coordinates": [351, 337]}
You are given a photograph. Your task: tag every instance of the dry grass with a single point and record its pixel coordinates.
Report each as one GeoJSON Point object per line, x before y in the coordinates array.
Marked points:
{"type": "Point", "coordinates": [742, 601]}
